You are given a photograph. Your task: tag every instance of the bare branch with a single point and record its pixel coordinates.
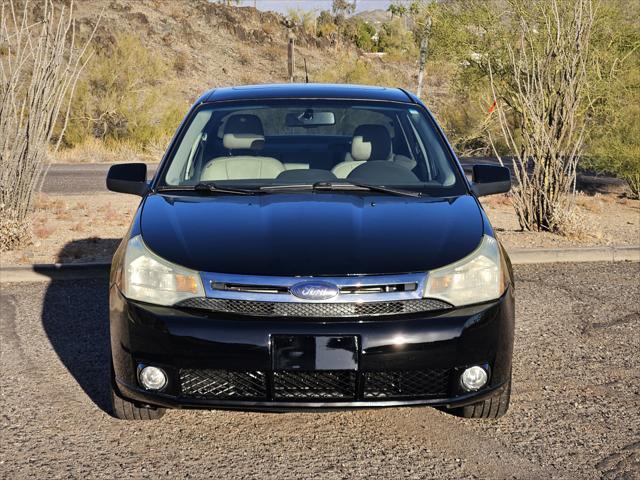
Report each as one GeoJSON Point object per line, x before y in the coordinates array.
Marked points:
{"type": "Point", "coordinates": [38, 74]}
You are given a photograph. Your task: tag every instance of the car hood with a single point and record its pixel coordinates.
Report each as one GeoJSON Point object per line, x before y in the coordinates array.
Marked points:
{"type": "Point", "coordinates": [310, 234]}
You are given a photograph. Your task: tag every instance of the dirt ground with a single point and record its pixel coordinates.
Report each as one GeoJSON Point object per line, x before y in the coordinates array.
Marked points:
{"type": "Point", "coordinates": [574, 411]}
{"type": "Point", "coordinates": [84, 228]}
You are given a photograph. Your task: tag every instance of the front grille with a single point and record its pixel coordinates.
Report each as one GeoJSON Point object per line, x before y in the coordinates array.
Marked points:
{"type": "Point", "coordinates": [314, 385]}
{"type": "Point", "coordinates": [406, 383]}
{"type": "Point", "coordinates": [302, 309]}
{"type": "Point", "coordinates": [223, 384]}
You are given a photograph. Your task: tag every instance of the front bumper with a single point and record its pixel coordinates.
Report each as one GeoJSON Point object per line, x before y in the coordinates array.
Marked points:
{"type": "Point", "coordinates": [434, 347]}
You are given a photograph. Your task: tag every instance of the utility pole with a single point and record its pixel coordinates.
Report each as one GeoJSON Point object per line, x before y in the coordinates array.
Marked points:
{"type": "Point", "coordinates": [424, 52]}
{"type": "Point", "coordinates": [291, 57]}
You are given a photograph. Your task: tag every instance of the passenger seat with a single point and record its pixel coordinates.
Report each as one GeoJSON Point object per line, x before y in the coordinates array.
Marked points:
{"type": "Point", "coordinates": [370, 142]}
{"type": "Point", "coordinates": [243, 134]}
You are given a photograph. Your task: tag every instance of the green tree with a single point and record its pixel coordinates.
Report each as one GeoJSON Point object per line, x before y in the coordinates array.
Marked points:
{"type": "Point", "coordinates": [123, 97]}
{"type": "Point", "coordinates": [326, 26]}
{"type": "Point", "coordinates": [397, 9]}
{"type": "Point", "coordinates": [535, 56]}
{"type": "Point", "coordinates": [343, 8]}
{"type": "Point", "coordinates": [613, 143]}
{"type": "Point", "coordinates": [396, 40]}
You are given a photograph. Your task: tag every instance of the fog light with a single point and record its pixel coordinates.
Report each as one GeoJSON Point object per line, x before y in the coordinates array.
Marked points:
{"type": "Point", "coordinates": [153, 378]}
{"type": "Point", "coordinates": [473, 378]}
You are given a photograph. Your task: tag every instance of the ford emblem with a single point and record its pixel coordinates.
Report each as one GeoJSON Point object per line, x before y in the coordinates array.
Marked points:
{"type": "Point", "coordinates": [314, 290]}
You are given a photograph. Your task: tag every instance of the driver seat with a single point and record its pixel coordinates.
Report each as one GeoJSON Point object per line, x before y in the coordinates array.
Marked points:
{"type": "Point", "coordinates": [243, 135]}
{"type": "Point", "coordinates": [370, 142]}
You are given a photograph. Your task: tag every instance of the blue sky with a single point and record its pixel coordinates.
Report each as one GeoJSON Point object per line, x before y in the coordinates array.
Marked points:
{"type": "Point", "coordinates": [283, 6]}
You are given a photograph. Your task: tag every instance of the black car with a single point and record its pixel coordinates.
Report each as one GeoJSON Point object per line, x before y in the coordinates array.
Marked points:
{"type": "Point", "coordinates": [310, 246]}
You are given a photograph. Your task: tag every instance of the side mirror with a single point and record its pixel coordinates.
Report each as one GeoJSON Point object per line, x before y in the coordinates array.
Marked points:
{"type": "Point", "coordinates": [490, 179]}
{"type": "Point", "coordinates": [128, 178]}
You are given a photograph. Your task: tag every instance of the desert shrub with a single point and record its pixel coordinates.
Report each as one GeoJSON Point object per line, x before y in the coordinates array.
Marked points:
{"type": "Point", "coordinates": [124, 97]}
{"type": "Point", "coordinates": [361, 33]}
{"type": "Point", "coordinates": [304, 19]}
{"type": "Point", "coordinates": [468, 127]}
{"type": "Point", "coordinates": [94, 150]}
{"type": "Point", "coordinates": [350, 69]}
{"type": "Point", "coordinates": [613, 145]}
{"type": "Point", "coordinates": [180, 62]}
{"type": "Point", "coordinates": [325, 25]}
{"type": "Point", "coordinates": [396, 40]}
{"type": "Point", "coordinates": [38, 73]}
{"type": "Point", "coordinates": [309, 22]}
{"type": "Point", "coordinates": [535, 56]}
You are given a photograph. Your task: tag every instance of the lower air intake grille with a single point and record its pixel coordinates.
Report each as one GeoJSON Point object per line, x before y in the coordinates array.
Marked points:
{"type": "Point", "coordinates": [314, 385]}
{"type": "Point", "coordinates": [406, 383]}
{"type": "Point", "coordinates": [301, 309]}
{"type": "Point", "coordinates": [223, 384]}
{"type": "Point", "coordinates": [331, 385]}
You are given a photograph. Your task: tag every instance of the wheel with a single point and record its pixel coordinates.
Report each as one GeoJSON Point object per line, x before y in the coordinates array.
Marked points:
{"type": "Point", "coordinates": [126, 410]}
{"type": "Point", "coordinates": [492, 408]}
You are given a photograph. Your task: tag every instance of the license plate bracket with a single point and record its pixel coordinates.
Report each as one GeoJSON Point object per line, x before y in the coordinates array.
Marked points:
{"type": "Point", "coordinates": [314, 352]}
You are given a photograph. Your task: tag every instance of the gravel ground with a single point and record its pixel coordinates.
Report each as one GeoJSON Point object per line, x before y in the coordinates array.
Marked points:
{"type": "Point", "coordinates": [574, 411]}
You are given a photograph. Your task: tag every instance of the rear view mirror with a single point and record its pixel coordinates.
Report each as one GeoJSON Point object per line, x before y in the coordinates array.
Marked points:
{"type": "Point", "coordinates": [490, 179]}
{"type": "Point", "coordinates": [310, 118]}
{"type": "Point", "coordinates": [128, 178]}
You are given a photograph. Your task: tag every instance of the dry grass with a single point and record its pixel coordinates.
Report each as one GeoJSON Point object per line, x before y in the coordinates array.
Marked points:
{"type": "Point", "coordinates": [77, 227]}
{"type": "Point", "coordinates": [180, 62]}
{"type": "Point", "coordinates": [244, 58]}
{"type": "Point", "coordinates": [52, 204]}
{"type": "Point", "coordinates": [497, 200]}
{"type": "Point", "coordinates": [97, 151]}
{"type": "Point", "coordinates": [274, 52]}
{"type": "Point", "coordinates": [576, 225]}
{"type": "Point", "coordinates": [64, 215]}
{"type": "Point", "coordinates": [44, 230]}
{"type": "Point", "coordinates": [593, 204]}
{"type": "Point", "coordinates": [270, 29]}
{"type": "Point", "coordinates": [108, 213]}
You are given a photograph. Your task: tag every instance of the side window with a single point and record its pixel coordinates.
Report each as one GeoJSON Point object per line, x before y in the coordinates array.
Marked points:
{"type": "Point", "coordinates": [187, 150]}
{"type": "Point", "coordinates": [437, 158]}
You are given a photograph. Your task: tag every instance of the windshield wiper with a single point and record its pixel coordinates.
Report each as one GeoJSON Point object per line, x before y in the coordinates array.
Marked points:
{"type": "Point", "coordinates": [365, 186]}
{"type": "Point", "coordinates": [340, 186]}
{"type": "Point", "coordinates": [207, 188]}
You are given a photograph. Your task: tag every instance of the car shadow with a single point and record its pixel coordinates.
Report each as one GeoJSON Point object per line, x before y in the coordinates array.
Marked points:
{"type": "Point", "coordinates": [75, 318]}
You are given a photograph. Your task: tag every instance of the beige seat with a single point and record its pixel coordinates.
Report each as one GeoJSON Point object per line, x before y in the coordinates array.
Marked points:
{"type": "Point", "coordinates": [242, 133]}
{"type": "Point", "coordinates": [370, 142]}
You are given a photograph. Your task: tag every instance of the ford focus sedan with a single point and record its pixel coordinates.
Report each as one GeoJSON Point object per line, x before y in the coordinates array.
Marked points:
{"type": "Point", "coordinates": [308, 247]}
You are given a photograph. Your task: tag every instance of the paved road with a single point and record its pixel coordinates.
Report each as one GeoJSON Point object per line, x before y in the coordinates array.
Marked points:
{"type": "Point", "coordinates": [78, 178]}
{"type": "Point", "coordinates": [83, 178]}
{"type": "Point", "coordinates": [574, 414]}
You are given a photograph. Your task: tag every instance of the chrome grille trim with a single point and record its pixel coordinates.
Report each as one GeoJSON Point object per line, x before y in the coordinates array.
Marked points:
{"type": "Point", "coordinates": [352, 289]}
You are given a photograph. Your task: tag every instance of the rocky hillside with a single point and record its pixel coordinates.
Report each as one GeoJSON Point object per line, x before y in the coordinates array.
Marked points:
{"type": "Point", "coordinates": [210, 45]}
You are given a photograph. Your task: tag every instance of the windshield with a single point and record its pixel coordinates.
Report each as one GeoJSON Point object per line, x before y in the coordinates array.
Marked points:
{"type": "Point", "coordinates": [285, 143]}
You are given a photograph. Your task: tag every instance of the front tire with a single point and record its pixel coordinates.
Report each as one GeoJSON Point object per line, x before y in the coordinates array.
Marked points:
{"type": "Point", "coordinates": [127, 410]}
{"type": "Point", "coordinates": [491, 409]}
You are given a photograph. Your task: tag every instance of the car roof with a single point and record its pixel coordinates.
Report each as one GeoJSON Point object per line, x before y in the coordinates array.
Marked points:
{"type": "Point", "coordinates": [308, 90]}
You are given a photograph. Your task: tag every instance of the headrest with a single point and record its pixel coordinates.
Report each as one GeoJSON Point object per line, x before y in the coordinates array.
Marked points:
{"type": "Point", "coordinates": [243, 132]}
{"type": "Point", "coordinates": [371, 142]}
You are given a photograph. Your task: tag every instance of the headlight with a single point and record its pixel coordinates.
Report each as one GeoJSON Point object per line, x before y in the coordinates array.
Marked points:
{"type": "Point", "coordinates": [151, 279]}
{"type": "Point", "coordinates": [476, 278]}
